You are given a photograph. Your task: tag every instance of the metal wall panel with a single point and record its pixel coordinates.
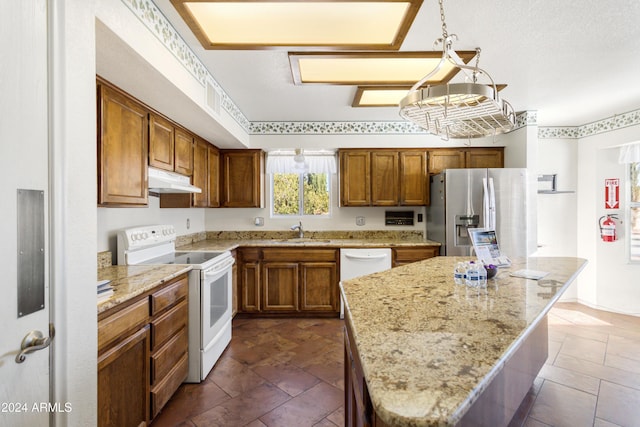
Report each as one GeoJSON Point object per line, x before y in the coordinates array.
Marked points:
{"type": "Point", "coordinates": [30, 251]}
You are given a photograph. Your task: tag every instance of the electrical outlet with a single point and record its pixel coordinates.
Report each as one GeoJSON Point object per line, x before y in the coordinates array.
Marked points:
{"type": "Point", "coordinates": [259, 221]}
{"type": "Point", "coordinates": [360, 220]}
{"type": "Point", "coordinates": [188, 223]}
{"type": "Point", "coordinates": [419, 217]}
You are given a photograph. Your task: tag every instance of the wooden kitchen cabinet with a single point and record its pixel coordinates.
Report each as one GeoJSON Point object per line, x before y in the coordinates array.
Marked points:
{"type": "Point", "coordinates": [441, 159]}
{"type": "Point", "coordinates": [485, 158]}
{"type": "Point", "coordinates": [122, 149]}
{"type": "Point", "coordinates": [170, 146]}
{"type": "Point", "coordinates": [249, 280]}
{"type": "Point", "coordinates": [289, 281]}
{"type": "Point", "coordinates": [183, 156]}
{"type": "Point", "coordinates": [317, 287]}
{"type": "Point", "coordinates": [123, 382]}
{"type": "Point", "coordinates": [201, 173]}
{"type": "Point", "coordinates": [280, 286]}
{"type": "Point", "coordinates": [414, 179]}
{"type": "Point", "coordinates": [142, 354]}
{"type": "Point", "coordinates": [169, 353]}
{"type": "Point", "coordinates": [355, 178]}
{"type": "Point", "coordinates": [243, 174]}
{"type": "Point", "coordinates": [383, 177]}
{"type": "Point", "coordinates": [213, 186]}
{"type": "Point", "coordinates": [407, 255]}
{"type": "Point", "coordinates": [161, 143]}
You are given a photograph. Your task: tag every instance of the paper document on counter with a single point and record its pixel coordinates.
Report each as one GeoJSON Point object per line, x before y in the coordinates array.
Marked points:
{"type": "Point", "coordinates": [530, 274]}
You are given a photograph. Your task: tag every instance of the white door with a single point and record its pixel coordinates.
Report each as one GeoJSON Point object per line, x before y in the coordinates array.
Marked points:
{"type": "Point", "coordinates": [24, 387]}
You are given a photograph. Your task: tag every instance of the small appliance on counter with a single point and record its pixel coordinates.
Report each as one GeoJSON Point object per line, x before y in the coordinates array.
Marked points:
{"type": "Point", "coordinates": [209, 290]}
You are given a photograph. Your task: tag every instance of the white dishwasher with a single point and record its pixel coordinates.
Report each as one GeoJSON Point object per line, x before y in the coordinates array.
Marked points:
{"type": "Point", "coordinates": [360, 262]}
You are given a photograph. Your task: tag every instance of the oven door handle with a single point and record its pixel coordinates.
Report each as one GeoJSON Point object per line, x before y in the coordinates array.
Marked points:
{"type": "Point", "coordinates": [220, 267]}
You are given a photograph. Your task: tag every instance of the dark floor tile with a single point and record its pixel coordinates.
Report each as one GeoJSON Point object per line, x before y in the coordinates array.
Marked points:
{"type": "Point", "coordinates": [287, 377]}
{"type": "Point", "coordinates": [337, 416]}
{"type": "Point", "coordinates": [233, 377]}
{"type": "Point", "coordinates": [190, 400]}
{"type": "Point", "coordinates": [329, 371]}
{"type": "Point", "coordinates": [307, 408]}
{"type": "Point", "coordinates": [243, 409]}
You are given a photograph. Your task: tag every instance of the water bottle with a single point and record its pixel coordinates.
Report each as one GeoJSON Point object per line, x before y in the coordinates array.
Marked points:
{"type": "Point", "coordinates": [472, 275]}
{"type": "Point", "coordinates": [482, 276]}
{"type": "Point", "coordinates": [459, 273]}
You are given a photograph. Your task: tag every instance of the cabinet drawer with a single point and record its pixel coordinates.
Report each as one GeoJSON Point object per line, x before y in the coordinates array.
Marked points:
{"type": "Point", "coordinates": [403, 256]}
{"type": "Point", "coordinates": [162, 392]}
{"type": "Point", "coordinates": [299, 254]}
{"type": "Point", "coordinates": [114, 326]}
{"type": "Point", "coordinates": [168, 324]}
{"type": "Point", "coordinates": [169, 295]}
{"type": "Point", "coordinates": [168, 356]}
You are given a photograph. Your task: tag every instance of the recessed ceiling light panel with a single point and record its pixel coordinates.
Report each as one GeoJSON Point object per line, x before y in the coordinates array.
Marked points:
{"type": "Point", "coordinates": [363, 68]}
{"type": "Point", "coordinates": [385, 96]}
{"type": "Point", "coordinates": [374, 24]}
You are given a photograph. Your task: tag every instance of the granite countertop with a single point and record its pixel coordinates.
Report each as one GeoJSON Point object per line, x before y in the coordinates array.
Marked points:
{"type": "Point", "coordinates": [429, 347]}
{"type": "Point", "coordinates": [129, 281]}
{"type": "Point", "coordinates": [230, 244]}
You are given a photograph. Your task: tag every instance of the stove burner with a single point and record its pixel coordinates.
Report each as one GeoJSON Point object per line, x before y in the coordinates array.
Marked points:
{"type": "Point", "coordinates": [191, 258]}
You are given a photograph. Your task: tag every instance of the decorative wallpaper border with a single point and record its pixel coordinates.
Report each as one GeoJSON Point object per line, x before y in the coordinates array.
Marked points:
{"type": "Point", "coordinates": [618, 121]}
{"type": "Point", "coordinates": [149, 14]}
{"type": "Point", "coordinates": [358, 128]}
{"type": "Point", "coordinates": [155, 21]}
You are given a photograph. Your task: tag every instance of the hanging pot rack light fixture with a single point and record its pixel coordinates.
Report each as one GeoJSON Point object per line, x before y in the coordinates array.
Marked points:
{"type": "Point", "coordinates": [457, 110]}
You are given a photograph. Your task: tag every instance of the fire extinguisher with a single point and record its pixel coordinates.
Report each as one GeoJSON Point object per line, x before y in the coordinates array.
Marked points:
{"type": "Point", "coordinates": [608, 228]}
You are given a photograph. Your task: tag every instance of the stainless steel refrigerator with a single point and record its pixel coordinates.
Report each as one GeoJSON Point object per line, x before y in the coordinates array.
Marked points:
{"type": "Point", "coordinates": [500, 199]}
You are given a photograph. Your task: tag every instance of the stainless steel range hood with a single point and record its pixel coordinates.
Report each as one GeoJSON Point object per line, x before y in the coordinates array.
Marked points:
{"type": "Point", "coordinates": [168, 182]}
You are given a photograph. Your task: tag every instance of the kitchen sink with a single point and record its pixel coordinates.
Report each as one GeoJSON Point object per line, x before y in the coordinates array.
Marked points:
{"type": "Point", "coordinates": [303, 240]}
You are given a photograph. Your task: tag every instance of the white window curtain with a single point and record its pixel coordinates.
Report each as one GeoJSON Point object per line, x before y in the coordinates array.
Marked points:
{"type": "Point", "coordinates": [629, 153]}
{"type": "Point", "coordinates": [313, 163]}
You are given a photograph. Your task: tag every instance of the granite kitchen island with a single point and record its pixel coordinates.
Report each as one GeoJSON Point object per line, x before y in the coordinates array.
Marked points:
{"type": "Point", "coordinates": [423, 351]}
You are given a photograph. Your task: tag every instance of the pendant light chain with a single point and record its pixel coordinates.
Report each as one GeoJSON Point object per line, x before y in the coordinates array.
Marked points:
{"type": "Point", "coordinates": [445, 34]}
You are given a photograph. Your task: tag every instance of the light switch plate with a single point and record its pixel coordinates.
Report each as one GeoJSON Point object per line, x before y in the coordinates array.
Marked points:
{"type": "Point", "coordinates": [360, 220]}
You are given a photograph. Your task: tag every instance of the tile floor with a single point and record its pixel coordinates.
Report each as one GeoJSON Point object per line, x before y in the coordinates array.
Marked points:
{"type": "Point", "coordinates": [289, 373]}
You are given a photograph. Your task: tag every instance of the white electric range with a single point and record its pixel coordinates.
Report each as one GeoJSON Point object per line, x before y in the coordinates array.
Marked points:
{"type": "Point", "coordinates": [209, 290]}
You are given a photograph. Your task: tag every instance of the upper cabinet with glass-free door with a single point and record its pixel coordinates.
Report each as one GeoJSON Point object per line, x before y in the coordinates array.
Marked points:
{"type": "Point", "coordinates": [243, 178]}
{"type": "Point", "coordinates": [122, 149]}
{"type": "Point", "coordinates": [480, 157]}
{"type": "Point", "coordinates": [383, 177]}
{"type": "Point", "coordinates": [170, 147]}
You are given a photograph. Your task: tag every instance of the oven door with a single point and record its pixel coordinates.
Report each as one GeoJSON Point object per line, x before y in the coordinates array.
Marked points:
{"type": "Point", "coordinates": [215, 300]}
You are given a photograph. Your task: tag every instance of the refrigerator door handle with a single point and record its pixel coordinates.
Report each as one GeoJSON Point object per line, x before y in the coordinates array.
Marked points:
{"type": "Point", "coordinates": [492, 205]}
{"type": "Point", "coordinates": [486, 206]}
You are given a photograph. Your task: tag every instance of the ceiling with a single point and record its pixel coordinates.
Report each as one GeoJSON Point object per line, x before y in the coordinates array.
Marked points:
{"type": "Point", "coordinates": [572, 62]}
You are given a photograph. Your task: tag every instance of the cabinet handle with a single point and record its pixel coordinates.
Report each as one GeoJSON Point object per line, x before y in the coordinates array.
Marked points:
{"type": "Point", "coordinates": [366, 257]}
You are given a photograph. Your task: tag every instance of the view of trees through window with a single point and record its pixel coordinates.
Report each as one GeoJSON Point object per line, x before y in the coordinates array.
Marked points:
{"type": "Point", "coordinates": [300, 194]}
{"type": "Point", "coordinates": [635, 212]}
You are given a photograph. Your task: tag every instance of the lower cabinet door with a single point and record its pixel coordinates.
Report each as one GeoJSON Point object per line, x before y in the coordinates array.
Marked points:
{"type": "Point", "coordinates": [319, 286]}
{"type": "Point", "coordinates": [280, 286]}
{"type": "Point", "coordinates": [123, 399]}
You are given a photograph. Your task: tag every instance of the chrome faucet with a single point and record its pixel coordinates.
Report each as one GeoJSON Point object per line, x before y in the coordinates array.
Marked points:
{"type": "Point", "coordinates": [299, 228]}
